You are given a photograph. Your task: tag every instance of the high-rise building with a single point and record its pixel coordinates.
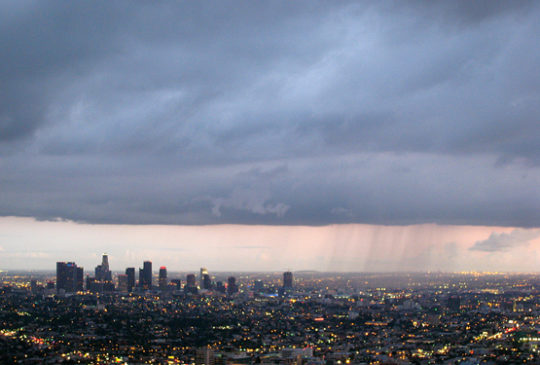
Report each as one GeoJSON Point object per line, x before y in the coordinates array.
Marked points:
{"type": "Point", "coordinates": [130, 272]}
{"type": "Point", "coordinates": [105, 262]}
{"type": "Point", "coordinates": [147, 265]}
{"type": "Point", "coordinates": [141, 275]}
{"type": "Point", "coordinates": [287, 280]}
{"type": "Point", "coordinates": [145, 276]}
{"type": "Point", "coordinates": [206, 282]}
{"type": "Point", "coordinates": [231, 285]}
{"type": "Point", "coordinates": [80, 279]}
{"type": "Point", "coordinates": [103, 273]}
{"type": "Point", "coordinates": [102, 282]}
{"type": "Point", "coordinates": [162, 278]}
{"type": "Point", "coordinates": [122, 282]}
{"type": "Point", "coordinates": [190, 280]}
{"type": "Point", "coordinates": [203, 272]}
{"type": "Point", "coordinates": [191, 284]}
{"type": "Point", "coordinates": [61, 276]}
{"type": "Point", "coordinates": [69, 277]}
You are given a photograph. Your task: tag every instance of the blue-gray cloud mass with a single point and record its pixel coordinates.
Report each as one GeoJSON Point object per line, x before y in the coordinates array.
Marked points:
{"type": "Point", "coordinates": [497, 242]}
{"type": "Point", "coordinates": [271, 113]}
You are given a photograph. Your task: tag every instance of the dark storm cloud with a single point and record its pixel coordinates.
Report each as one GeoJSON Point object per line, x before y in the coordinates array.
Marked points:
{"type": "Point", "coordinates": [272, 113]}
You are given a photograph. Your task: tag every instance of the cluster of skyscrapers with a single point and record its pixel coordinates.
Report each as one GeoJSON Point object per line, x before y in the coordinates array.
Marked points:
{"type": "Point", "coordinates": [69, 278]}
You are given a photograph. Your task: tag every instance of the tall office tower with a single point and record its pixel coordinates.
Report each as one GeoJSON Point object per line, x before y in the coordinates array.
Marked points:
{"type": "Point", "coordinates": [287, 280]}
{"type": "Point", "coordinates": [130, 272]}
{"type": "Point", "coordinates": [231, 285]}
{"type": "Point", "coordinates": [190, 280]}
{"type": "Point", "coordinates": [145, 276]}
{"type": "Point", "coordinates": [105, 263]}
{"type": "Point", "coordinates": [103, 273]}
{"type": "Point", "coordinates": [79, 284]}
{"type": "Point", "coordinates": [67, 276]}
{"type": "Point", "coordinates": [61, 268]}
{"type": "Point", "coordinates": [141, 278]}
{"type": "Point", "coordinates": [191, 284]}
{"type": "Point", "coordinates": [206, 282]}
{"type": "Point", "coordinates": [98, 272]}
{"type": "Point", "coordinates": [201, 276]}
{"type": "Point", "coordinates": [147, 265]}
{"type": "Point", "coordinates": [122, 282]}
{"type": "Point", "coordinates": [163, 278]}
{"type": "Point", "coordinates": [71, 277]}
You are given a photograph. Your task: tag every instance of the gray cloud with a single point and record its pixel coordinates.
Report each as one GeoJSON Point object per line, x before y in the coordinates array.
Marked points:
{"type": "Point", "coordinates": [253, 201]}
{"type": "Point", "coordinates": [277, 113]}
{"type": "Point", "coordinates": [506, 241]}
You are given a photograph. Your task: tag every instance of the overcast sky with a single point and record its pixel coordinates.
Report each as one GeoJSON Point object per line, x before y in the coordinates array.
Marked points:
{"type": "Point", "coordinates": [271, 113]}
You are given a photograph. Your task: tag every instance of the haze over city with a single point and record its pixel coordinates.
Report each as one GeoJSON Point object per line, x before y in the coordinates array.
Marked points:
{"type": "Point", "coordinates": [245, 136]}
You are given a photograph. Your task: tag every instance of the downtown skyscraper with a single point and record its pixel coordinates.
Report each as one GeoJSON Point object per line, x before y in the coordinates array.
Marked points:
{"type": "Point", "coordinates": [69, 277]}
{"type": "Point", "coordinates": [145, 276]}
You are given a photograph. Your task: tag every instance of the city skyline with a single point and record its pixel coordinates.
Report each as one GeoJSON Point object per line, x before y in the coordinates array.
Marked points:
{"type": "Point", "coordinates": [321, 319]}
{"type": "Point", "coordinates": [270, 183]}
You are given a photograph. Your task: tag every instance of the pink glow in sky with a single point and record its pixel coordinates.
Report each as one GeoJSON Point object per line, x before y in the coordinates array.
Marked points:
{"type": "Point", "coordinates": [29, 244]}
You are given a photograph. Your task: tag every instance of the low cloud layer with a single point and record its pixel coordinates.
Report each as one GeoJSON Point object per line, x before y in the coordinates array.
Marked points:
{"type": "Point", "coordinates": [271, 113]}
{"type": "Point", "coordinates": [506, 241]}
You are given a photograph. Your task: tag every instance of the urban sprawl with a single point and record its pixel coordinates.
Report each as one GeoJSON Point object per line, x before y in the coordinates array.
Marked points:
{"type": "Point", "coordinates": [298, 318]}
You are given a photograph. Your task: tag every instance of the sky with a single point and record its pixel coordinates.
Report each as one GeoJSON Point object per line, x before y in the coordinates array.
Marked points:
{"type": "Point", "coordinates": [355, 136]}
